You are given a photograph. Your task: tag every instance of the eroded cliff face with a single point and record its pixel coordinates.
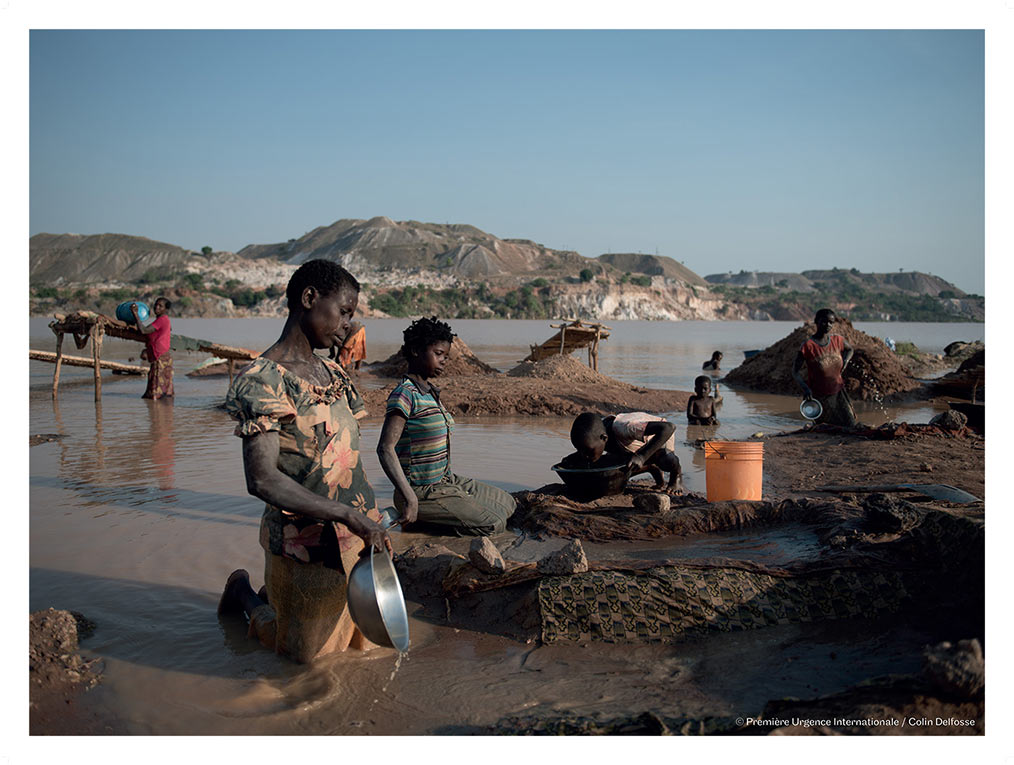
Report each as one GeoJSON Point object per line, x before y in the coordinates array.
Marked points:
{"type": "Point", "coordinates": [670, 300]}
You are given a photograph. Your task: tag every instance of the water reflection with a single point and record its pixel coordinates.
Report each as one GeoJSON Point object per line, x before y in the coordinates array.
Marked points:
{"type": "Point", "coordinates": [162, 440]}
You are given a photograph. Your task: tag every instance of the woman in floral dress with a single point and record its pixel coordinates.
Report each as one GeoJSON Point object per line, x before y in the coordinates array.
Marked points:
{"type": "Point", "coordinates": [298, 417]}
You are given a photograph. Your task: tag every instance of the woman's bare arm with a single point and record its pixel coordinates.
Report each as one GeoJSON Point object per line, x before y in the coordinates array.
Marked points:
{"type": "Point", "coordinates": [265, 481]}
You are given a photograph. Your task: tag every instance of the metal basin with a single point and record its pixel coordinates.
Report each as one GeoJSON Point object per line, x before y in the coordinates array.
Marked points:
{"type": "Point", "coordinates": [594, 482]}
{"type": "Point", "coordinates": [376, 602]}
{"type": "Point", "coordinates": [811, 409]}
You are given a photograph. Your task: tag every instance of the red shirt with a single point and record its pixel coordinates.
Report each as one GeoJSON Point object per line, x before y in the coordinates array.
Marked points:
{"type": "Point", "coordinates": [158, 341]}
{"type": "Point", "coordinates": [824, 364]}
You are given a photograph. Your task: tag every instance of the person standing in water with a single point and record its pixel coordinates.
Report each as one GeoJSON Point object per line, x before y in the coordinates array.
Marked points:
{"type": "Point", "coordinates": [298, 416]}
{"type": "Point", "coordinates": [157, 336]}
{"type": "Point", "coordinates": [415, 447]}
{"type": "Point", "coordinates": [825, 357]}
{"type": "Point", "coordinates": [353, 349]}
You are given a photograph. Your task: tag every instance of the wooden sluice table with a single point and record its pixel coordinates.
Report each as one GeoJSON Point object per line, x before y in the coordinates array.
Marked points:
{"type": "Point", "coordinates": [81, 361]}
{"type": "Point", "coordinates": [573, 335]}
{"type": "Point", "coordinates": [88, 326]}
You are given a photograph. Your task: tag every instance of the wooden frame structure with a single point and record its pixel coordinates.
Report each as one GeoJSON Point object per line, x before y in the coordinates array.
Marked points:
{"type": "Point", "coordinates": [573, 335]}
{"type": "Point", "coordinates": [88, 326]}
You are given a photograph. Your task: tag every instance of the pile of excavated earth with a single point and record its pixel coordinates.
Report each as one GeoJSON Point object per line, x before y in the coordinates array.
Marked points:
{"type": "Point", "coordinates": [874, 374]}
{"type": "Point", "coordinates": [559, 386]}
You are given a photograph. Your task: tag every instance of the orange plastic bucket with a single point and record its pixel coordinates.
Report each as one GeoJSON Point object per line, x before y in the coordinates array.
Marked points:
{"type": "Point", "coordinates": [733, 469]}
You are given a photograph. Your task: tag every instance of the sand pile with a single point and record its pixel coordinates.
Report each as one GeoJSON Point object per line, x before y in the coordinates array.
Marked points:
{"type": "Point", "coordinates": [566, 368]}
{"type": "Point", "coordinates": [875, 373]}
{"type": "Point", "coordinates": [460, 361]}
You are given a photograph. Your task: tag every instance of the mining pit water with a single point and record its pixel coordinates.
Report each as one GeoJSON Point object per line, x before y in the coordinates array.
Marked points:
{"type": "Point", "coordinates": [139, 511]}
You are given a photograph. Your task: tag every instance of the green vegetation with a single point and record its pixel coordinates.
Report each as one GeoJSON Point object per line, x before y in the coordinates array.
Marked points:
{"type": "Point", "coordinates": [192, 281]}
{"type": "Point", "coordinates": [907, 349]}
{"type": "Point", "coordinates": [641, 281]}
{"type": "Point", "coordinates": [524, 302]}
{"type": "Point", "coordinates": [586, 274]}
{"type": "Point", "coordinates": [206, 250]}
{"type": "Point", "coordinates": [119, 294]}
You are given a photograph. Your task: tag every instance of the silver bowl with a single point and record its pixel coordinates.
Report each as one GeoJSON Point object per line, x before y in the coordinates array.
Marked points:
{"type": "Point", "coordinates": [376, 602]}
{"type": "Point", "coordinates": [811, 409]}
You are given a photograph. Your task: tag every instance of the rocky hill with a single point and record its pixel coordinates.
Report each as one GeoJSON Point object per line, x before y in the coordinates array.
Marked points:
{"type": "Point", "coordinates": [909, 282]}
{"type": "Point", "coordinates": [652, 265]}
{"type": "Point", "coordinates": [381, 244]}
{"type": "Point", "coordinates": [410, 268]}
{"type": "Point", "coordinates": [56, 259]}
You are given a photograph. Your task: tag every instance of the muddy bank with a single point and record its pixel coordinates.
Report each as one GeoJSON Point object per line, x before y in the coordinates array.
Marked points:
{"type": "Point", "coordinates": [796, 463]}
{"type": "Point", "coordinates": [59, 678]}
{"type": "Point", "coordinates": [559, 386]}
{"type": "Point", "coordinates": [874, 374]}
{"type": "Point", "coordinates": [882, 560]}
{"type": "Point", "coordinates": [885, 562]}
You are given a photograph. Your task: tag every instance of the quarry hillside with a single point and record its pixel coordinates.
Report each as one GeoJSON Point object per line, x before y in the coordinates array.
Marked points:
{"type": "Point", "coordinates": [410, 268]}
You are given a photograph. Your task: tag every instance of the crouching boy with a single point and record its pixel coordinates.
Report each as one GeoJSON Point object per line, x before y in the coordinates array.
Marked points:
{"type": "Point", "coordinates": [645, 440]}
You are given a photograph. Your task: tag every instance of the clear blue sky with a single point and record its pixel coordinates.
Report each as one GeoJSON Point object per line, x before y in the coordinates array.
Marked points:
{"type": "Point", "coordinates": [766, 150]}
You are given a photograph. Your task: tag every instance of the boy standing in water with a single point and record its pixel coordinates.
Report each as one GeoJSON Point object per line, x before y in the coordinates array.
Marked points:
{"type": "Point", "coordinates": [712, 364]}
{"type": "Point", "coordinates": [826, 356]}
{"type": "Point", "coordinates": [702, 405]}
{"type": "Point", "coordinates": [646, 440]}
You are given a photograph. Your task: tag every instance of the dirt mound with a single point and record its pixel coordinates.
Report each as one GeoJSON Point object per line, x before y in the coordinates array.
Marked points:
{"type": "Point", "coordinates": [460, 361]}
{"type": "Point", "coordinates": [560, 368]}
{"type": "Point", "coordinates": [874, 373]}
{"type": "Point", "coordinates": [503, 396]}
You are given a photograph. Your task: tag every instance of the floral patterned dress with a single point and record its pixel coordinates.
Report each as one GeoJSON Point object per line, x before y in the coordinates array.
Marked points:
{"type": "Point", "coordinates": [318, 433]}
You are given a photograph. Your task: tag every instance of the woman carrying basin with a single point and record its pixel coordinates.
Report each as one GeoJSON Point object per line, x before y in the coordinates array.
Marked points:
{"type": "Point", "coordinates": [298, 418]}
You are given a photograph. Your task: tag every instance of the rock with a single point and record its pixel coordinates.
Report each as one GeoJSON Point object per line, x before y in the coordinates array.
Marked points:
{"type": "Point", "coordinates": [569, 560]}
{"type": "Point", "coordinates": [484, 556]}
{"type": "Point", "coordinates": [422, 569]}
{"type": "Point", "coordinates": [950, 420]}
{"type": "Point", "coordinates": [652, 502]}
{"type": "Point", "coordinates": [957, 670]}
{"type": "Point", "coordinates": [885, 513]}
{"type": "Point", "coordinates": [926, 467]}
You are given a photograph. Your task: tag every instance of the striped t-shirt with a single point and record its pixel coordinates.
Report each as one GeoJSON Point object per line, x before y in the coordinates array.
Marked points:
{"type": "Point", "coordinates": [424, 447]}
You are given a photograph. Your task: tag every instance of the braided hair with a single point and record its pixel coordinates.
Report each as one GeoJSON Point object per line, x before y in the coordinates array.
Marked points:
{"type": "Point", "coordinates": [422, 333]}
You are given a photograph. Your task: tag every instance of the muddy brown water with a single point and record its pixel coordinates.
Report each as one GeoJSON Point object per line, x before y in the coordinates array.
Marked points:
{"type": "Point", "coordinates": [139, 511]}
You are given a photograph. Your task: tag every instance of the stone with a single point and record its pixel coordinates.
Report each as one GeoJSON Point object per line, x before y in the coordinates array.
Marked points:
{"type": "Point", "coordinates": [885, 513]}
{"type": "Point", "coordinates": [652, 502]}
{"type": "Point", "coordinates": [950, 420]}
{"type": "Point", "coordinates": [568, 560]}
{"type": "Point", "coordinates": [482, 553]}
{"type": "Point", "coordinates": [956, 670]}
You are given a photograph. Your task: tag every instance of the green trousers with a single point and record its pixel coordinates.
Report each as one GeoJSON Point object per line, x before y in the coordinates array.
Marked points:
{"type": "Point", "coordinates": [837, 410]}
{"type": "Point", "coordinates": [459, 506]}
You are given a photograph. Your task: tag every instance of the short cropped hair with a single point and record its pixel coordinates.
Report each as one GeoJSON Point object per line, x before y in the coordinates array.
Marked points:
{"type": "Point", "coordinates": [587, 425]}
{"type": "Point", "coordinates": [701, 379]}
{"type": "Point", "coordinates": [824, 312]}
{"type": "Point", "coordinates": [167, 301]}
{"type": "Point", "coordinates": [717, 355]}
{"type": "Point", "coordinates": [325, 276]}
{"type": "Point", "coordinates": [422, 333]}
